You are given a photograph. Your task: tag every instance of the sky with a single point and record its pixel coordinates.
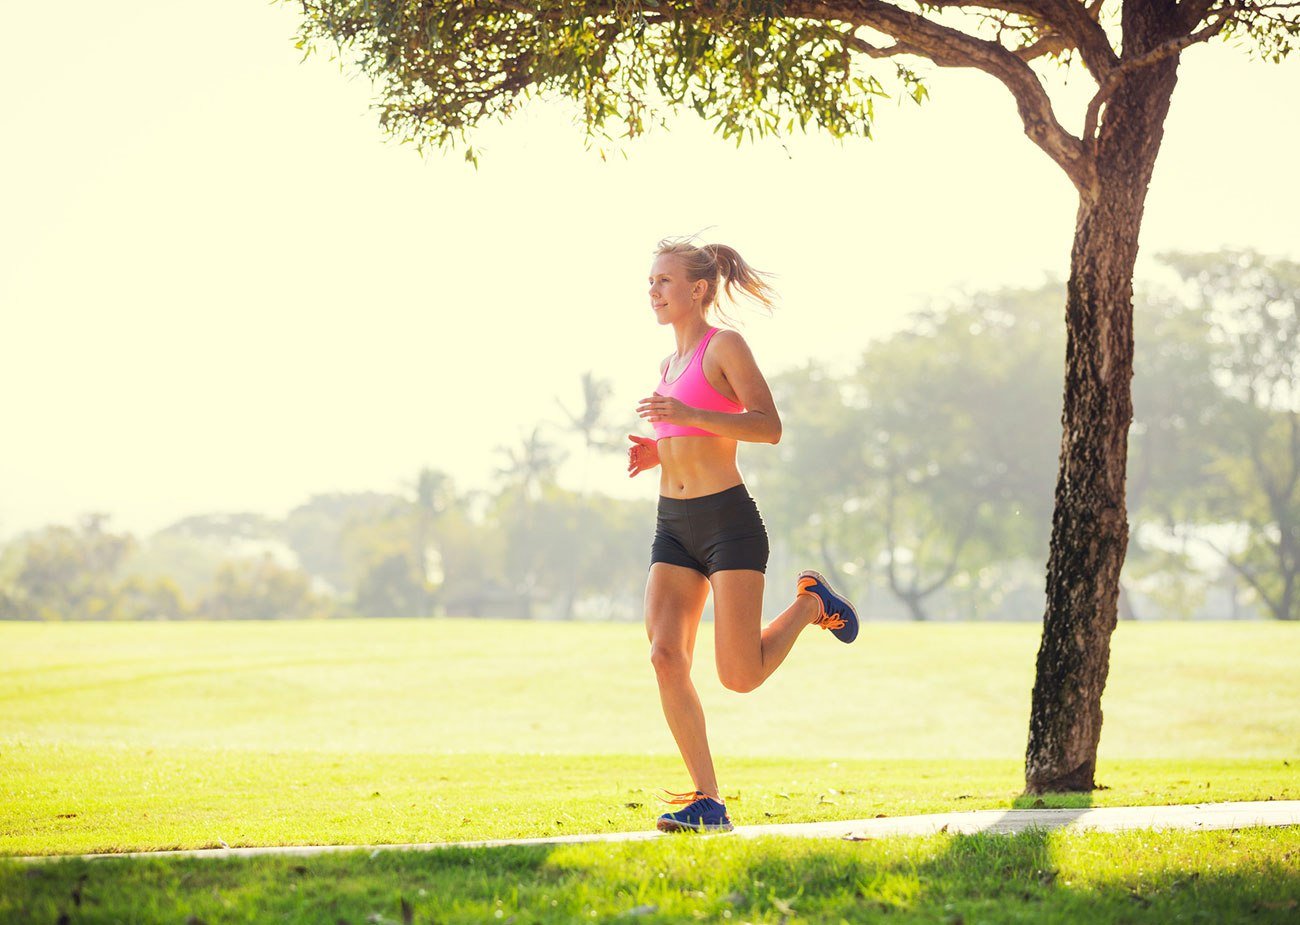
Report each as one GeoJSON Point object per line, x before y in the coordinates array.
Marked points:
{"type": "Point", "coordinates": [223, 288]}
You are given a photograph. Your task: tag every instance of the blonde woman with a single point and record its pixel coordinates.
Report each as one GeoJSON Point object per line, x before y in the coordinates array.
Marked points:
{"type": "Point", "coordinates": [709, 534]}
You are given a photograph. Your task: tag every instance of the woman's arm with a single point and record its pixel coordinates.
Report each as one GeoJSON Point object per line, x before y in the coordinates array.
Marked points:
{"type": "Point", "coordinates": [759, 423]}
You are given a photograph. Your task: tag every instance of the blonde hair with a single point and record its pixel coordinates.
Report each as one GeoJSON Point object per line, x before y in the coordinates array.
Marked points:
{"type": "Point", "coordinates": [711, 262]}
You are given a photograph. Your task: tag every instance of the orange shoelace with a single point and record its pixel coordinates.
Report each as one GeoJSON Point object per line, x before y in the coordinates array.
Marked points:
{"type": "Point", "coordinates": [830, 621]}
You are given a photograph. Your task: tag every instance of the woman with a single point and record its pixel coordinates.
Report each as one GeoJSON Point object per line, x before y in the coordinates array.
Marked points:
{"type": "Point", "coordinates": [708, 533]}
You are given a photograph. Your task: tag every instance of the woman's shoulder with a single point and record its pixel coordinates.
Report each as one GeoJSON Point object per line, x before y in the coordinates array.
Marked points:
{"type": "Point", "coordinates": [730, 343]}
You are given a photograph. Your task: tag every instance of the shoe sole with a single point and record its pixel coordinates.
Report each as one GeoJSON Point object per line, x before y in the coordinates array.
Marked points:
{"type": "Point", "coordinates": [664, 825]}
{"type": "Point", "coordinates": [810, 573]}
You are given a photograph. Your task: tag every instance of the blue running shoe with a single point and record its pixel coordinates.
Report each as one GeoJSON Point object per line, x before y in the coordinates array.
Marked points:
{"type": "Point", "coordinates": [704, 814]}
{"type": "Point", "coordinates": [837, 614]}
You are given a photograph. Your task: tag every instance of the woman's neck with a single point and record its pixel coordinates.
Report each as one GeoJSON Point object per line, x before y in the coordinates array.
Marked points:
{"type": "Point", "coordinates": [689, 333]}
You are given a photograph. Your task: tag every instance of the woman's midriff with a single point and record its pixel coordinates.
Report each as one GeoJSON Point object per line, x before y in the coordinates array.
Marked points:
{"type": "Point", "coordinates": [691, 467]}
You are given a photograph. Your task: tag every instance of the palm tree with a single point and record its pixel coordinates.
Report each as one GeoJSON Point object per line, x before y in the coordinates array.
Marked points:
{"type": "Point", "coordinates": [528, 468]}
{"type": "Point", "coordinates": [592, 424]}
{"type": "Point", "coordinates": [530, 465]}
{"type": "Point", "coordinates": [434, 495]}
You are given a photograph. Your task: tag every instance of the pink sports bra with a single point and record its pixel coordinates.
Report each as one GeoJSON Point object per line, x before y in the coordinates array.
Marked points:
{"type": "Point", "coordinates": [692, 388]}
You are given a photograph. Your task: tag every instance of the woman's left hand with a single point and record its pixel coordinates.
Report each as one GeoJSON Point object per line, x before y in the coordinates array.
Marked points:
{"type": "Point", "coordinates": [666, 409]}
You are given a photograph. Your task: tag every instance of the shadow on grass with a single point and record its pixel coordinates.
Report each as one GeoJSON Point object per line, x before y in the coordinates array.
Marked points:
{"type": "Point", "coordinates": [1033, 876]}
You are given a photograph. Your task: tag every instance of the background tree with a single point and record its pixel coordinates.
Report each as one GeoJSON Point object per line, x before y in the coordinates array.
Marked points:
{"type": "Point", "coordinates": [315, 531]}
{"type": "Point", "coordinates": [262, 589]}
{"type": "Point", "coordinates": [1254, 308]}
{"type": "Point", "coordinates": [756, 68]}
{"type": "Point", "coordinates": [593, 427]}
{"type": "Point", "coordinates": [190, 563]}
{"type": "Point", "coordinates": [435, 495]}
{"type": "Point", "coordinates": [68, 573]}
{"type": "Point", "coordinates": [1171, 448]}
{"type": "Point", "coordinates": [526, 476]}
{"type": "Point", "coordinates": [472, 552]}
{"type": "Point", "coordinates": [959, 416]}
{"type": "Point", "coordinates": [142, 598]}
{"type": "Point", "coordinates": [962, 401]}
{"type": "Point", "coordinates": [385, 569]}
{"type": "Point", "coordinates": [529, 466]}
{"type": "Point", "coordinates": [592, 423]}
{"type": "Point", "coordinates": [821, 447]}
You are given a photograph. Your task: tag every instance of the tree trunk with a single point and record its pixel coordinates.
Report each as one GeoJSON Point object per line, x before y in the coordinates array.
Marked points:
{"type": "Point", "coordinates": [1089, 524]}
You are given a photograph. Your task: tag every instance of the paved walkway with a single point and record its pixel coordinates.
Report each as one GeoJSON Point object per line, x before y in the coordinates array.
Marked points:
{"type": "Point", "coordinates": [1195, 817]}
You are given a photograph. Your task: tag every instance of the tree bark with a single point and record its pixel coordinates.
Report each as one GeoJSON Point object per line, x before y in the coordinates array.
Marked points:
{"type": "Point", "coordinates": [1090, 525]}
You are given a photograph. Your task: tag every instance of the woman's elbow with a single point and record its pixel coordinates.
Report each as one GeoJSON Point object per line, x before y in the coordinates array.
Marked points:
{"type": "Point", "coordinates": [776, 432]}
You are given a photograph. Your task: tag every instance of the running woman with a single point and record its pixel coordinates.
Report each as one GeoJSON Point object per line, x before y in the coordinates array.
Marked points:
{"type": "Point", "coordinates": [708, 533]}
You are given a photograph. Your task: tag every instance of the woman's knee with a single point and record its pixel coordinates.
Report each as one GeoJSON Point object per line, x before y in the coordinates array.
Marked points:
{"type": "Point", "coordinates": [740, 680]}
{"type": "Point", "coordinates": [669, 661]}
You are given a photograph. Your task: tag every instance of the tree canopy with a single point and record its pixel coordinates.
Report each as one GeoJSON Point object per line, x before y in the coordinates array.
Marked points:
{"type": "Point", "coordinates": [754, 68]}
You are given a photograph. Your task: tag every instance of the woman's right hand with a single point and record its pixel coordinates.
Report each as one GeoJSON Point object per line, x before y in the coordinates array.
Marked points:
{"type": "Point", "coordinates": [643, 454]}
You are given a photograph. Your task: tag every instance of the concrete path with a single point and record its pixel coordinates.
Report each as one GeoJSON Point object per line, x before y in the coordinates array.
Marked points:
{"type": "Point", "coordinates": [1195, 817]}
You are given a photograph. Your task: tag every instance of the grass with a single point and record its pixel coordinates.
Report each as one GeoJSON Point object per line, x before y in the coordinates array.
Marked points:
{"type": "Point", "coordinates": [69, 800]}
{"type": "Point", "coordinates": [1211, 877]}
{"type": "Point", "coordinates": [150, 736]}
{"type": "Point", "coordinates": [1186, 691]}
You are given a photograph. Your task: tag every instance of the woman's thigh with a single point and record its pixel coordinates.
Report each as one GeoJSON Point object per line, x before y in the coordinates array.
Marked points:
{"type": "Point", "coordinates": [738, 622]}
{"type": "Point", "coordinates": [674, 604]}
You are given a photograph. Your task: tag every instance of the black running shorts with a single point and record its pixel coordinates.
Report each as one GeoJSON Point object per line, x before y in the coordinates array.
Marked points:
{"type": "Point", "coordinates": [711, 533]}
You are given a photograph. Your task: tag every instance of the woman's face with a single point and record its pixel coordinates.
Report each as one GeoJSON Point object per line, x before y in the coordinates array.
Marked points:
{"type": "Point", "coordinates": [672, 294]}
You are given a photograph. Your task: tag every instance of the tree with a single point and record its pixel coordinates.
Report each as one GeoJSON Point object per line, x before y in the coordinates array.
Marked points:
{"type": "Point", "coordinates": [959, 411]}
{"type": "Point", "coordinates": [821, 446]}
{"type": "Point", "coordinates": [388, 563]}
{"type": "Point", "coordinates": [530, 466]}
{"type": "Point", "coordinates": [435, 495]}
{"type": "Point", "coordinates": [67, 573]}
{"type": "Point", "coordinates": [591, 425]}
{"type": "Point", "coordinates": [1254, 307]}
{"type": "Point", "coordinates": [525, 479]}
{"type": "Point", "coordinates": [1171, 447]}
{"type": "Point", "coordinates": [756, 68]}
{"type": "Point", "coordinates": [315, 531]}
{"type": "Point", "coordinates": [262, 589]}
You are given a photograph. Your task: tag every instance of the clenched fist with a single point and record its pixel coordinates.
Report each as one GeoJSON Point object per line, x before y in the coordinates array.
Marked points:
{"type": "Point", "coordinates": [643, 454]}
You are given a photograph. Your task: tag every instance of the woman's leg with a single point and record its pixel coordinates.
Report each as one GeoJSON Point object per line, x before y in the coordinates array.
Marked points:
{"type": "Point", "coordinates": [746, 655]}
{"type": "Point", "coordinates": [674, 604]}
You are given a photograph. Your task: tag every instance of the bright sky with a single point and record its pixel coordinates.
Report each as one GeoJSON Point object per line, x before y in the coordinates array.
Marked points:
{"type": "Point", "coordinates": [224, 289]}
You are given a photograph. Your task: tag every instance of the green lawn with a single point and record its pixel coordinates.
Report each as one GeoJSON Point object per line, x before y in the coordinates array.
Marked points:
{"type": "Point", "coordinates": [147, 736]}
{"type": "Point", "coordinates": [1211, 877]}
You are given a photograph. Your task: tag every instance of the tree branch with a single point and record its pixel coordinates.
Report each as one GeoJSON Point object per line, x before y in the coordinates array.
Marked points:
{"type": "Point", "coordinates": [947, 47]}
{"type": "Point", "coordinates": [1240, 569]}
{"type": "Point", "coordinates": [874, 51]}
{"type": "Point", "coordinates": [1075, 23]}
{"type": "Point", "coordinates": [1127, 66]}
{"type": "Point", "coordinates": [1048, 43]}
{"type": "Point", "coordinates": [962, 536]}
{"type": "Point", "coordinates": [890, 542]}
{"type": "Point", "coordinates": [1295, 454]}
{"type": "Point", "coordinates": [1089, 37]}
{"type": "Point", "coordinates": [1194, 11]}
